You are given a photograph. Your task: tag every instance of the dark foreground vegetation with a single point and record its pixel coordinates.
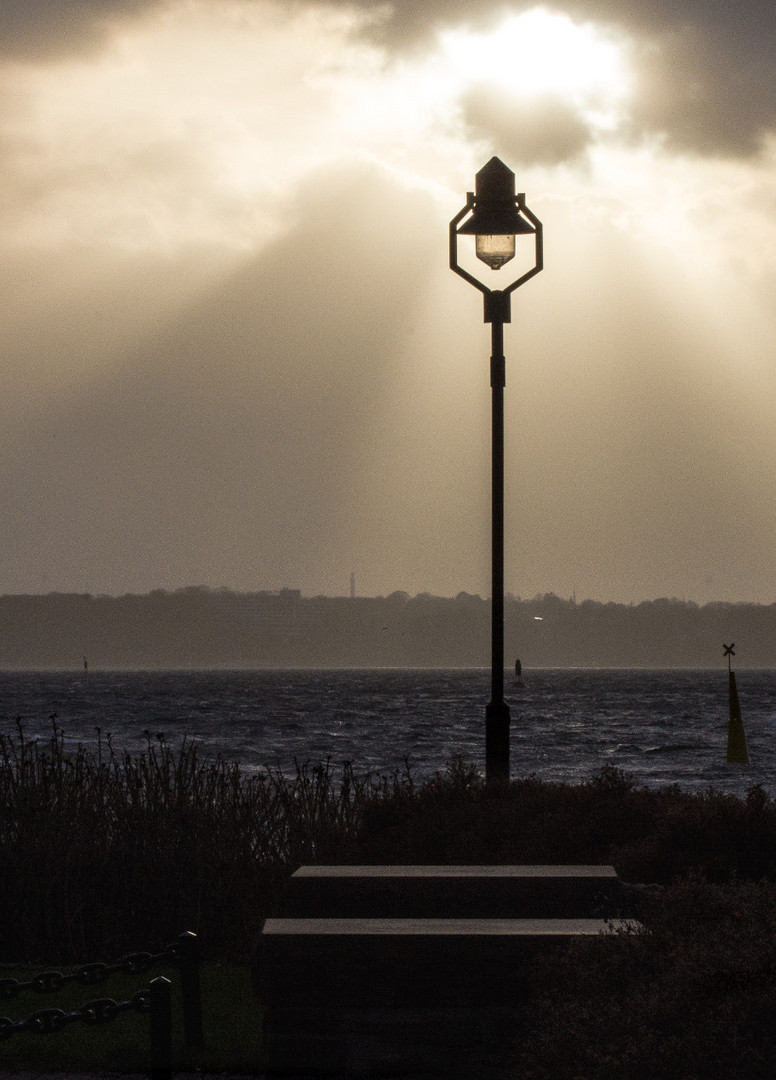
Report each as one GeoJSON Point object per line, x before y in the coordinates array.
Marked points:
{"type": "Point", "coordinates": [102, 853]}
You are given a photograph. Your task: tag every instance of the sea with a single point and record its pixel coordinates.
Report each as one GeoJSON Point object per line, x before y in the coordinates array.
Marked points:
{"type": "Point", "coordinates": [662, 727]}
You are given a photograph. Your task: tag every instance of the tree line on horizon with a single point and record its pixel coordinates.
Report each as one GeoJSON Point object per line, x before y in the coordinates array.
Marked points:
{"type": "Point", "coordinates": [200, 627]}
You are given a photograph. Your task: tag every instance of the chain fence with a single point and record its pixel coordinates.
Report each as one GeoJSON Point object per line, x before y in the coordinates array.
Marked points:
{"type": "Point", "coordinates": [153, 1000]}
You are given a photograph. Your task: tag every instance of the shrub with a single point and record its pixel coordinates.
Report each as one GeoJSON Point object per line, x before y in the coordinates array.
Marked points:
{"type": "Point", "coordinates": [691, 995]}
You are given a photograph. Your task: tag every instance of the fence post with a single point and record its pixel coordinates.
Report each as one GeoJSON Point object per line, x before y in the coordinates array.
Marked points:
{"type": "Point", "coordinates": [161, 1029]}
{"type": "Point", "coordinates": [188, 957]}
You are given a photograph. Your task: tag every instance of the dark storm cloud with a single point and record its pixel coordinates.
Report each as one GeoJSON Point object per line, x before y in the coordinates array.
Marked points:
{"type": "Point", "coordinates": [47, 29]}
{"type": "Point", "coordinates": [543, 132]}
{"type": "Point", "coordinates": [709, 86]}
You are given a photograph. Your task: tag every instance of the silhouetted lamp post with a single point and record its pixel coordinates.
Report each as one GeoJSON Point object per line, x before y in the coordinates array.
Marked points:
{"type": "Point", "coordinates": [495, 216]}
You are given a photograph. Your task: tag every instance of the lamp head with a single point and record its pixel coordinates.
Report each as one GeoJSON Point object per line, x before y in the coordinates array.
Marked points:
{"type": "Point", "coordinates": [495, 219]}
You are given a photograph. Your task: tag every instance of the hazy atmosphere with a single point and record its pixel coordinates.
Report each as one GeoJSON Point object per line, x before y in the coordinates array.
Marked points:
{"type": "Point", "coordinates": [233, 352]}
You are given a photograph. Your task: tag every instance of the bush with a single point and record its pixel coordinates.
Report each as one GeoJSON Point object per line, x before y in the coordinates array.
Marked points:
{"type": "Point", "coordinates": [647, 834]}
{"type": "Point", "coordinates": [690, 996]}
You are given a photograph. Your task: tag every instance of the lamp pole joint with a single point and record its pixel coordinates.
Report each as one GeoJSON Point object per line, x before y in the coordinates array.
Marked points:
{"type": "Point", "coordinates": [498, 307]}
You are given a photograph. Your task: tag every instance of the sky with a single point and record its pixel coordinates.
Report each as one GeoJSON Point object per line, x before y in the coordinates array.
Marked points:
{"type": "Point", "coordinates": [233, 353]}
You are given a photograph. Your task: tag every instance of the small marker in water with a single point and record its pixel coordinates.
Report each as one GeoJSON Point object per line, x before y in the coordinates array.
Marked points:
{"type": "Point", "coordinates": [737, 750]}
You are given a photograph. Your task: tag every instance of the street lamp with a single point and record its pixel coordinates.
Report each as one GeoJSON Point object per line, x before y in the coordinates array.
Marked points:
{"type": "Point", "coordinates": [495, 216]}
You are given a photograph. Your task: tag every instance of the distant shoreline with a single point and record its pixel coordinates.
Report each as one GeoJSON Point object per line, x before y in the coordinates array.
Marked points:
{"type": "Point", "coordinates": [204, 630]}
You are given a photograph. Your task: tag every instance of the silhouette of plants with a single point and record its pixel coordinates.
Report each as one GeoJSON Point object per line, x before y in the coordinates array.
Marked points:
{"type": "Point", "coordinates": [102, 851]}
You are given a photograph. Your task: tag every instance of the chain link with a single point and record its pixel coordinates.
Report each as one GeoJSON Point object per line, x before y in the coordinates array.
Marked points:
{"type": "Point", "coordinates": [137, 963]}
{"type": "Point", "coordinates": [171, 954]}
{"type": "Point", "coordinates": [100, 1011]}
{"type": "Point", "coordinates": [93, 974]}
{"type": "Point", "coordinates": [142, 1001]}
{"type": "Point", "coordinates": [46, 1021]}
{"type": "Point", "coordinates": [48, 982]}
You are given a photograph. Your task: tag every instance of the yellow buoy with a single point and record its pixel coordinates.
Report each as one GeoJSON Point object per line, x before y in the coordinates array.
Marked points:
{"type": "Point", "coordinates": [737, 749]}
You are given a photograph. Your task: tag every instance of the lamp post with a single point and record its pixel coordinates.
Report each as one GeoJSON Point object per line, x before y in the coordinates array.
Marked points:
{"type": "Point", "coordinates": [495, 216]}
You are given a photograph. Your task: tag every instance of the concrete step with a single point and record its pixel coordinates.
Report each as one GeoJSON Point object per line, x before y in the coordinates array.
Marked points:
{"type": "Point", "coordinates": [397, 963]}
{"type": "Point", "coordinates": [452, 891]}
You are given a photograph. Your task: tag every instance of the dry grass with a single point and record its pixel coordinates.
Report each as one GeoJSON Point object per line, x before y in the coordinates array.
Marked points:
{"type": "Point", "coordinates": [107, 852]}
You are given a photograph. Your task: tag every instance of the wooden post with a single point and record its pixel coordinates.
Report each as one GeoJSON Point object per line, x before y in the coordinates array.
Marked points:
{"type": "Point", "coordinates": [189, 960]}
{"type": "Point", "coordinates": [161, 1029]}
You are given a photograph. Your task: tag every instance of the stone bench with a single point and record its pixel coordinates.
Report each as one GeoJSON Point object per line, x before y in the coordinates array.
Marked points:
{"type": "Point", "coordinates": [390, 971]}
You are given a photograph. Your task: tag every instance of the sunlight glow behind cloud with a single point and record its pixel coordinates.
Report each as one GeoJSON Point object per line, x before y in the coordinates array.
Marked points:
{"type": "Point", "coordinates": [540, 52]}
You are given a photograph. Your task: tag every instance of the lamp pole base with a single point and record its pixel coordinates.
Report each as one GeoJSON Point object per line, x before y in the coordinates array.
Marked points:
{"type": "Point", "coordinates": [496, 741]}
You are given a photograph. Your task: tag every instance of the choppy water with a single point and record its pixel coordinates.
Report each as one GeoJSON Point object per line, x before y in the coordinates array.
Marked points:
{"type": "Point", "coordinates": [665, 727]}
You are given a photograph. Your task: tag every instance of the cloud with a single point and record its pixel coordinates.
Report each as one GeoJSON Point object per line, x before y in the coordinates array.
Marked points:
{"type": "Point", "coordinates": [186, 131]}
{"type": "Point", "coordinates": [705, 80]}
{"type": "Point", "coordinates": [47, 29]}
{"type": "Point", "coordinates": [705, 76]}
{"type": "Point", "coordinates": [234, 353]}
{"type": "Point", "coordinates": [546, 131]}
